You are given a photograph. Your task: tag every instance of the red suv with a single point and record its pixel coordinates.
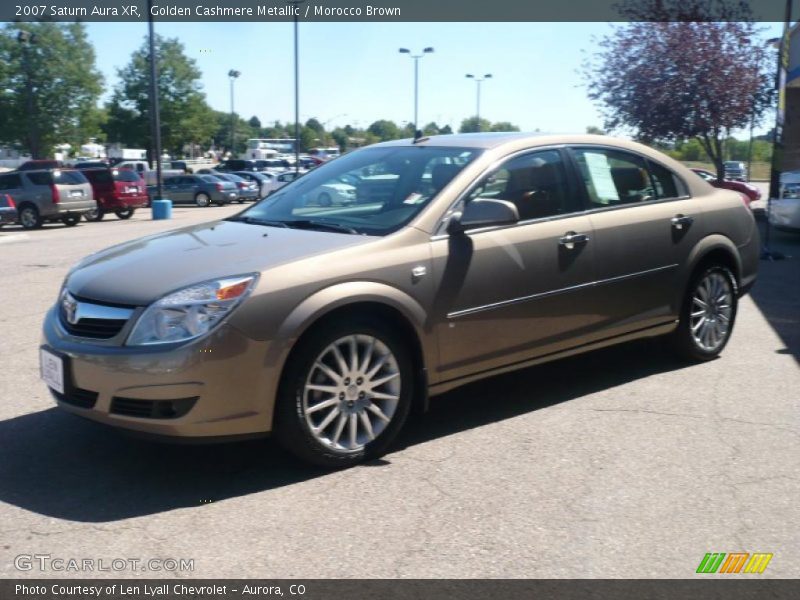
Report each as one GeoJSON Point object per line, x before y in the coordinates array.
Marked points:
{"type": "Point", "coordinates": [120, 191]}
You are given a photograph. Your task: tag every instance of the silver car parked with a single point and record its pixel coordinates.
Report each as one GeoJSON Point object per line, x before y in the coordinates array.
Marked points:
{"type": "Point", "coordinates": [202, 190]}
{"type": "Point", "coordinates": [48, 195]}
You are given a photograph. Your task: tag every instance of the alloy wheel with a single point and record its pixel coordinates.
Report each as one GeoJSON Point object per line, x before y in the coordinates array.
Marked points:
{"type": "Point", "coordinates": [351, 393]}
{"type": "Point", "coordinates": [711, 311]}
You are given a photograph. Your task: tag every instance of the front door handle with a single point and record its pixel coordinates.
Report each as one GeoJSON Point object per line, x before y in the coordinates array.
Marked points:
{"type": "Point", "coordinates": [679, 221]}
{"type": "Point", "coordinates": [571, 239]}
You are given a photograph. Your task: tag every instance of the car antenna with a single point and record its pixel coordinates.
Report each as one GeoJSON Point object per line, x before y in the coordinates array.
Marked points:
{"type": "Point", "coordinates": [418, 137]}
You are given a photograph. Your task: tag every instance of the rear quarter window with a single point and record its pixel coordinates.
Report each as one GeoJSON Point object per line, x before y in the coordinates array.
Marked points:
{"type": "Point", "coordinates": [43, 178]}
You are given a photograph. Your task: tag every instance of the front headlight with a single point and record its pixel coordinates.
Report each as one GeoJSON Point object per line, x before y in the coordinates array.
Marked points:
{"type": "Point", "coordinates": [190, 312]}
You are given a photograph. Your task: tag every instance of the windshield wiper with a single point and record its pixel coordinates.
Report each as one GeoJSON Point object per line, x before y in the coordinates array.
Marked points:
{"type": "Point", "coordinates": [257, 221]}
{"type": "Point", "coordinates": [315, 224]}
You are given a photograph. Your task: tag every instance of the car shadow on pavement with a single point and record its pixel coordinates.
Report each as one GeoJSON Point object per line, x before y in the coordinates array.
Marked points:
{"type": "Point", "coordinates": [777, 290]}
{"type": "Point", "coordinates": [59, 465]}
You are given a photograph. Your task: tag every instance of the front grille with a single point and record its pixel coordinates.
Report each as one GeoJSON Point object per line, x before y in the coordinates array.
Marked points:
{"type": "Point", "coordinates": [151, 409]}
{"type": "Point", "coordinates": [94, 328]}
{"type": "Point", "coordinates": [95, 320]}
{"type": "Point", "coordinates": [77, 397]}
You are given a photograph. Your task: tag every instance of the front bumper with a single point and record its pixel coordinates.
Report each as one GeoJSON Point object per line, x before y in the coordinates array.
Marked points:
{"type": "Point", "coordinates": [220, 383]}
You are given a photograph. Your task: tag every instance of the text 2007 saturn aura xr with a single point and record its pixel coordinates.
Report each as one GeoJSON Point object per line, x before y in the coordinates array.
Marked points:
{"type": "Point", "coordinates": [431, 263]}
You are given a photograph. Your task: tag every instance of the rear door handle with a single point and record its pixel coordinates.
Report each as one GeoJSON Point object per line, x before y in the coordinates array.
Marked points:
{"type": "Point", "coordinates": [571, 239]}
{"type": "Point", "coordinates": [679, 221]}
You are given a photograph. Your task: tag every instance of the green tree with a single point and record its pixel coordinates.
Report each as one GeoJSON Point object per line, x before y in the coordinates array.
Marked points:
{"type": "Point", "coordinates": [504, 126]}
{"type": "Point", "coordinates": [671, 79]}
{"type": "Point", "coordinates": [594, 130]}
{"type": "Point", "coordinates": [446, 130]}
{"type": "Point", "coordinates": [471, 125]}
{"type": "Point", "coordinates": [49, 87]}
{"type": "Point", "coordinates": [254, 122]}
{"type": "Point", "coordinates": [185, 114]}
{"type": "Point", "coordinates": [384, 130]}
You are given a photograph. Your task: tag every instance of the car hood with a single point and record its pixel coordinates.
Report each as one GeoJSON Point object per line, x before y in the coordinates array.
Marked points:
{"type": "Point", "coordinates": [140, 271]}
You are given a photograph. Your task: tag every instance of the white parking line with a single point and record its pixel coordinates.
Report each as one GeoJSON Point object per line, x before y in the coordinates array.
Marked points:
{"type": "Point", "coordinates": [14, 237]}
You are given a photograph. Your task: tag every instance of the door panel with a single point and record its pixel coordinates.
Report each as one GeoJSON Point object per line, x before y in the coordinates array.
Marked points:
{"type": "Point", "coordinates": [508, 294]}
{"type": "Point", "coordinates": [644, 229]}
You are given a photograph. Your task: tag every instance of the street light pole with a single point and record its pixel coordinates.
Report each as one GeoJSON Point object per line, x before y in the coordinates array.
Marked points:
{"type": "Point", "coordinates": [233, 75]}
{"type": "Point", "coordinates": [27, 38]}
{"type": "Point", "coordinates": [478, 81]}
{"type": "Point", "coordinates": [155, 119]}
{"type": "Point", "coordinates": [416, 58]}
{"type": "Point", "coordinates": [296, 5]}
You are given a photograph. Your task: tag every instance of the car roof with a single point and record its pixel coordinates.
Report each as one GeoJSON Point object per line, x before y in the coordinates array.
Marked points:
{"type": "Point", "coordinates": [494, 139]}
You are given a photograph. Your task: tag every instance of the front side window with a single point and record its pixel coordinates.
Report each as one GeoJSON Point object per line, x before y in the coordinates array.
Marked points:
{"type": "Point", "coordinates": [10, 182]}
{"type": "Point", "coordinates": [535, 183]}
{"type": "Point", "coordinates": [374, 191]}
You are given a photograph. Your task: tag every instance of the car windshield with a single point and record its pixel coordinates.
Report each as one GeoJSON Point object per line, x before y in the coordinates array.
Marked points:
{"type": "Point", "coordinates": [374, 191]}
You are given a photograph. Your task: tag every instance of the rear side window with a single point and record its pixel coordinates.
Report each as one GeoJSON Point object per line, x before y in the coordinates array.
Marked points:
{"type": "Point", "coordinates": [69, 177]}
{"type": "Point", "coordinates": [10, 182]}
{"type": "Point", "coordinates": [613, 177]}
{"type": "Point", "coordinates": [209, 178]}
{"type": "Point", "coordinates": [98, 176]}
{"type": "Point", "coordinates": [41, 178]}
{"type": "Point", "coordinates": [126, 175]}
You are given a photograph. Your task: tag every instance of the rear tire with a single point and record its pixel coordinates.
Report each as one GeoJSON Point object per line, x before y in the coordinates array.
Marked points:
{"type": "Point", "coordinates": [71, 220]}
{"type": "Point", "coordinates": [708, 314]}
{"type": "Point", "coordinates": [124, 214]}
{"type": "Point", "coordinates": [29, 217]}
{"type": "Point", "coordinates": [94, 215]}
{"type": "Point", "coordinates": [363, 410]}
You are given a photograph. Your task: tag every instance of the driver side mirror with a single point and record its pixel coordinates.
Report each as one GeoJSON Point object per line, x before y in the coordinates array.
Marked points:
{"type": "Point", "coordinates": [483, 212]}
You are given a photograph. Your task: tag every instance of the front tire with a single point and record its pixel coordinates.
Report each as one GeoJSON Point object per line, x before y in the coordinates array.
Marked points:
{"type": "Point", "coordinates": [707, 315]}
{"type": "Point", "coordinates": [345, 395]}
{"type": "Point", "coordinates": [202, 200]}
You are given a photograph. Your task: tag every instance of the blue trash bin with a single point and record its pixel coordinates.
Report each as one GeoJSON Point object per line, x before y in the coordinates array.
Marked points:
{"type": "Point", "coordinates": [162, 209]}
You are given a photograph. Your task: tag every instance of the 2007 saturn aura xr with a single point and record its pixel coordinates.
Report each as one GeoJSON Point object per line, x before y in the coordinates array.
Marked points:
{"type": "Point", "coordinates": [460, 257]}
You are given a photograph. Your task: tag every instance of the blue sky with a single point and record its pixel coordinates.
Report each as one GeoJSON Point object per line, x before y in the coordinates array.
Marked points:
{"type": "Point", "coordinates": [352, 72]}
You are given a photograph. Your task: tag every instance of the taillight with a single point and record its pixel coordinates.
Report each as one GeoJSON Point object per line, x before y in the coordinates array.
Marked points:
{"type": "Point", "coordinates": [242, 185]}
{"type": "Point", "coordinates": [219, 187]}
{"type": "Point", "coordinates": [10, 202]}
{"type": "Point", "coordinates": [54, 193]}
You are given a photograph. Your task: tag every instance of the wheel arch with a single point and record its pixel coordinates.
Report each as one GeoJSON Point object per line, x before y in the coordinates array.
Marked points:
{"type": "Point", "coordinates": [718, 249]}
{"type": "Point", "coordinates": [391, 306]}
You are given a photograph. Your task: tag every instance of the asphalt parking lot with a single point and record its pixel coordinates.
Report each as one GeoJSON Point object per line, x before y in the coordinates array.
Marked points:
{"type": "Point", "coordinates": [621, 463]}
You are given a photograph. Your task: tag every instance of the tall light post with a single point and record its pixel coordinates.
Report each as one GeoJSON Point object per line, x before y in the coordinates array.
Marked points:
{"type": "Point", "coordinates": [478, 81]}
{"type": "Point", "coordinates": [27, 39]}
{"type": "Point", "coordinates": [233, 75]}
{"type": "Point", "coordinates": [155, 118]}
{"type": "Point", "coordinates": [296, 12]}
{"type": "Point", "coordinates": [416, 58]}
